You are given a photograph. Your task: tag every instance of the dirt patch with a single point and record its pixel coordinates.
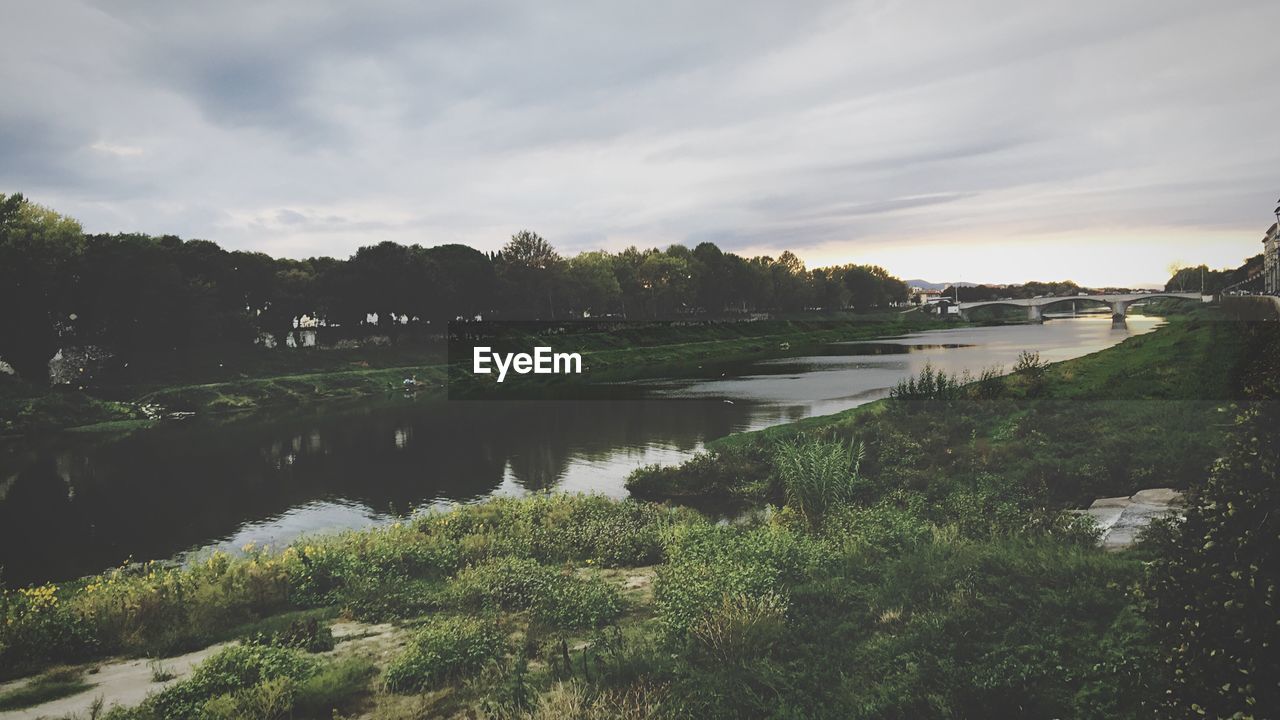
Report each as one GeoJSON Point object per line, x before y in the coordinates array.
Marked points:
{"type": "Point", "coordinates": [128, 682]}
{"type": "Point", "coordinates": [117, 682]}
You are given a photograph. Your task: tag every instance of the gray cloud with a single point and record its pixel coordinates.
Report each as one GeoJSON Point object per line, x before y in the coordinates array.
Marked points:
{"type": "Point", "coordinates": [839, 129]}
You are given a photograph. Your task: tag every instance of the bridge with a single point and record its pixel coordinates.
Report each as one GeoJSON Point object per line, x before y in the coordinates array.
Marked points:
{"type": "Point", "coordinates": [1119, 302]}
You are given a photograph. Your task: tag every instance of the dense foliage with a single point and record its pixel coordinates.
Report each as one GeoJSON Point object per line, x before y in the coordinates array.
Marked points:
{"type": "Point", "coordinates": [1212, 591]}
{"type": "Point", "coordinates": [445, 647]}
{"type": "Point", "coordinates": [139, 295]}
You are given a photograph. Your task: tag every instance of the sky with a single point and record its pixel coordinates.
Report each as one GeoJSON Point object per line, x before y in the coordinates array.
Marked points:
{"type": "Point", "coordinates": [979, 141]}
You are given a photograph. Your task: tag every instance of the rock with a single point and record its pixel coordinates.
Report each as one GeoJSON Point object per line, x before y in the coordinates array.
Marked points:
{"type": "Point", "coordinates": [1122, 519]}
{"type": "Point", "coordinates": [1159, 496]}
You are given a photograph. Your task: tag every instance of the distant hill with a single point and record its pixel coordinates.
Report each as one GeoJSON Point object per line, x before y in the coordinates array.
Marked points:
{"type": "Point", "coordinates": [936, 286]}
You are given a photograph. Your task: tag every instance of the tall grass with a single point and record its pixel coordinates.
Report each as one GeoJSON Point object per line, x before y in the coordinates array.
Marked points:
{"type": "Point", "coordinates": [818, 475]}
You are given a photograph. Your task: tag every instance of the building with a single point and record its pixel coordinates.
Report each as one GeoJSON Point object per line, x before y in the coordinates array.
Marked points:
{"type": "Point", "coordinates": [923, 296]}
{"type": "Point", "coordinates": [1271, 260]}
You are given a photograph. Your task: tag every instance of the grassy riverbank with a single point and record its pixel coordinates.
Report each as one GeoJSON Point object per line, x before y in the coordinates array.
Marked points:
{"type": "Point", "coordinates": [935, 578]}
{"type": "Point", "coordinates": [291, 377]}
{"type": "Point", "coordinates": [1146, 413]}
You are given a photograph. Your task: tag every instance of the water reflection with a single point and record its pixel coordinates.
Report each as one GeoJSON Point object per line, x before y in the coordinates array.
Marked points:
{"type": "Point", "coordinates": [76, 504]}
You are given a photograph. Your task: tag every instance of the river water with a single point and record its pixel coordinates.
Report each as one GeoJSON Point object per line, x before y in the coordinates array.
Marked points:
{"type": "Point", "coordinates": [74, 504]}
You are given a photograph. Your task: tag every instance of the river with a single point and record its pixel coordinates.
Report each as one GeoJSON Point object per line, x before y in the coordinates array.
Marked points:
{"type": "Point", "coordinates": [72, 504]}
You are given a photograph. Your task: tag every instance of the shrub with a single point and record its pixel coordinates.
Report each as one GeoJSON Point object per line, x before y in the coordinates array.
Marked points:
{"type": "Point", "coordinates": [573, 602]}
{"type": "Point", "coordinates": [236, 670]}
{"type": "Point", "coordinates": [743, 627]}
{"type": "Point", "coordinates": [1212, 590]}
{"type": "Point", "coordinates": [929, 384]}
{"type": "Point", "coordinates": [989, 384]}
{"type": "Point", "coordinates": [555, 598]}
{"type": "Point", "coordinates": [269, 700]}
{"type": "Point", "coordinates": [344, 568]}
{"type": "Point", "coordinates": [335, 687]}
{"type": "Point", "coordinates": [308, 635]}
{"type": "Point", "coordinates": [883, 529]}
{"type": "Point", "coordinates": [1030, 364]}
{"type": "Point", "coordinates": [38, 626]}
{"type": "Point", "coordinates": [709, 563]}
{"type": "Point", "coordinates": [504, 583]}
{"type": "Point", "coordinates": [556, 528]}
{"type": "Point", "coordinates": [446, 647]}
{"type": "Point", "coordinates": [731, 475]}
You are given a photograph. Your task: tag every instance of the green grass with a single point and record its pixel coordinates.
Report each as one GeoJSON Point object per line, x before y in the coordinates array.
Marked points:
{"type": "Point", "coordinates": [50, 686]}
{"type": "Point", "coordinates": [1148, 412]}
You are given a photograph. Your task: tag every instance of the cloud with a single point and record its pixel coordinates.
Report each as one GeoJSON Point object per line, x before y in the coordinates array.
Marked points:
{"type": "Point", "coordinates": [117, 150]}
{"type": "Point", "coordinates": [926, 134]}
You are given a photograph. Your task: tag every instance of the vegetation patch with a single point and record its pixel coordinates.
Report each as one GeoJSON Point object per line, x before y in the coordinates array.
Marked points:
{"type": "Point", "coordinates": [445, 647]}
{"type": "Point", "coordinates": [51, 685]}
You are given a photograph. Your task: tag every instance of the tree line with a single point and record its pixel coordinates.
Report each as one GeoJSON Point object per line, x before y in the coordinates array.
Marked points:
{"type": "Point", "coordinates": [136, 294]}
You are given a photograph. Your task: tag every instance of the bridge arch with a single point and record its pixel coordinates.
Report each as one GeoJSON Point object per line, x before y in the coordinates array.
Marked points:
{"type": "Point", "coordinates": [1119, 302]}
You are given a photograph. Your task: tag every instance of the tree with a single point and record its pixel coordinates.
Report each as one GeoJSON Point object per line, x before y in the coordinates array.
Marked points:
{"type": "Point", "coordinates": [790, 282]}
{"type": "Point", "coordinates": [667, 282]}
{"type": "Point", "coordinates": [38, 251]}
{"type": "Point", "coordinates": [865, 291]}
{"type": "Point", "coordinates": [594, 287]}
{"type": "Point", "coordinates": [713, 278]}
{"type": "Point", "coordinates": [529, 270]}
{"type": "Point", "coordinates": [468, 284]}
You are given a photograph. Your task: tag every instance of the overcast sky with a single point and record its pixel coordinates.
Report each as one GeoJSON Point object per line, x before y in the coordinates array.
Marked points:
{"type": "Point", "coordinates": [984, 141]}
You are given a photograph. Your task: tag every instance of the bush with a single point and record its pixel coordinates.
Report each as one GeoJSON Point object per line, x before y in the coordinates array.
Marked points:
{"type": "Point", "coordinates": [143, 609]}
{"type": "Point", "coordinates": [882, 529]}
{"type": "Point", "coordinates": [710, 563]}
{"type": "Point", "coordinates": [307, 635]}
{"type": "Point", "coordinates": [237, 670]}
{"type": "Point", "coordinates": [1030, 364]}
{"type": "Point", "coordinates": [556, 528]}
{"type": "Point", "coordinates": [929, 384]}
{"type": "Point", "coordinates": [335, 687]}
{"type": "Point", "coordinates": [1214, 585]}
{"type": "Point", "coordinates": [447, 647]}
{"type": "Point", "coordinates": [504, 583]}
{"type": "Point", "coordinates": [357, 566]}
{"type": "Point", "coordinates": [572, 602]}
{"type": "Point", "coordinates": [269, 700]}
{"type": "Point", "coordinates": [743, 627]}
{"type": "Point", "coordinates": [556, 598]}
{"type": "Point", "coordinates": [38, 626]}
{"type": "Point", "coordinates": [732, 475]}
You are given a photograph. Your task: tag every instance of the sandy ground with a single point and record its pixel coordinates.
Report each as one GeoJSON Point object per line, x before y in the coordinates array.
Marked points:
{"type": "Point", "coordinates": [128, 682]}
{"type": "Point", "coordinates": [117, 682]}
